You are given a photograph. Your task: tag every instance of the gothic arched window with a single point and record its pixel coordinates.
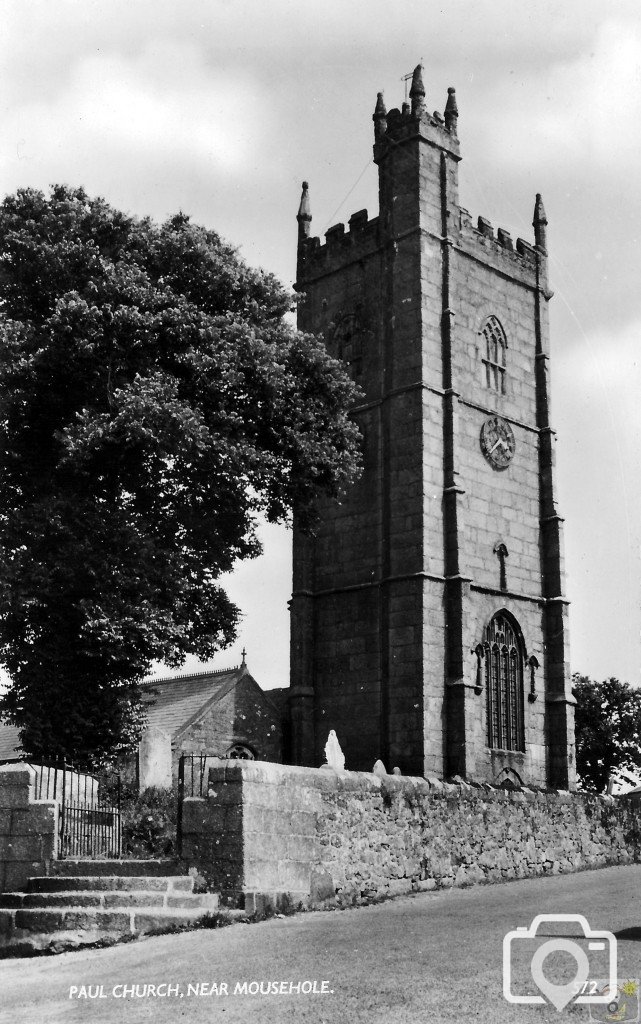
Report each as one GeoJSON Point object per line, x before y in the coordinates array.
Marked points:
{"type": "Point", "coordinates": [503, 653]}
{"type": "Point", "coordinates": [494, 360]}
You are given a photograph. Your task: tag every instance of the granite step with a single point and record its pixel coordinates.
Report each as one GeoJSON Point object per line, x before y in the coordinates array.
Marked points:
{"type": "Point", "coordinates": [66, 910]}
{"type": "Point", "coordinates": [147, 868]}
{"type": "Point", "coordinates": [111, 883]}
{"type": "Point", "coordinates": [25, 932]}
{"type": "Point", "coordinates": [108, 900]}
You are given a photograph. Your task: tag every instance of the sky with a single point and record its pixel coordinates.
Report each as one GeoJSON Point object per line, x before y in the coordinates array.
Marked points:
{"type": "Point", "coordinates": [220, 108]}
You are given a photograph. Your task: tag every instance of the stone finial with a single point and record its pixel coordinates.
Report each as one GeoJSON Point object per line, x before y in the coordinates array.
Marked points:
{"type": "Point", "coordinates": [379, 117]}
{"type": "Point", "coordinates": [417, 90]}
{"type": "Point", "coordinates": [451, 111]}
{"type": "Point", "coordinates": [540, 224]}
{"type": "Point", "coordinates": [379, 769]}
{"type": "Point", "coordinates": [304, 215]}
{"type": "Point", "coordinates": [334, 756]}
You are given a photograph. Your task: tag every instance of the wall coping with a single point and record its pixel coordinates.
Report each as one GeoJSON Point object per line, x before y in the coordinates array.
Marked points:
{"type": "Point", "coordinates": [326, 778]}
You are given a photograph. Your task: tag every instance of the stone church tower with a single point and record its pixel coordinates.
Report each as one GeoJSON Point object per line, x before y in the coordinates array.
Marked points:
{"type": "Point", "coordinates": [429, 623]}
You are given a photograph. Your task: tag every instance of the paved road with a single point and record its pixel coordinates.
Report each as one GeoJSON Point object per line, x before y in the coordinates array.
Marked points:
{"type": "Point", "coordinates": [434, 958]}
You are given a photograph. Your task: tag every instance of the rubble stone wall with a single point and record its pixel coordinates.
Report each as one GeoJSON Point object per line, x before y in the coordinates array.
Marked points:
{"type": "Point", "coordinates": [310, 835]}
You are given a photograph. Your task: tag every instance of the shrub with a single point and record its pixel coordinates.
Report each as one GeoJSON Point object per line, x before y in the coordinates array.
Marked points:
{"type": "Point", "coordinates": [149, 823]}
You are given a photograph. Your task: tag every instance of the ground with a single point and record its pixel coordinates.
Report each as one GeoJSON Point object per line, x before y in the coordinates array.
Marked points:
{"type": "Point", "coordinates": [433, 958]}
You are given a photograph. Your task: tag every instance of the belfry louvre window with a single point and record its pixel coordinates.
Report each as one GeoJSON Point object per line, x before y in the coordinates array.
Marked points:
{"type": "Point", "coordinates": [504, 685]}
{"type": "Point", "coordinates": [495, 354]}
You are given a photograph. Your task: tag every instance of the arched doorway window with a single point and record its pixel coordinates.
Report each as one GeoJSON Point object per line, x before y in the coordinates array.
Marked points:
{"type": "Point", "coordinates": [503, 651]}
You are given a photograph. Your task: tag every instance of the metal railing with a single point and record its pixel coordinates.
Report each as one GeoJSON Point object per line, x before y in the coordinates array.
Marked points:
{"type": "Point", "coordinates": [193, 774]}
{"type": "Point", "coordinates": [89, 815]}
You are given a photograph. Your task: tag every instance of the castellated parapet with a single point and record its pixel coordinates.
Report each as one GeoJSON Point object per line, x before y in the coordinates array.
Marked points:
{"type": "Point", "coordinates": [429, 622]}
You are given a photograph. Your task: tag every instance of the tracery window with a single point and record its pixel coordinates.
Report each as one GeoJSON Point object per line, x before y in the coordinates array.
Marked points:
{"type": "Point", "coordinates": [503, 654]}
{"type": "Point", "coordinates": [240, 752]}
{"type": "Point", "coordinates": [495, 356]}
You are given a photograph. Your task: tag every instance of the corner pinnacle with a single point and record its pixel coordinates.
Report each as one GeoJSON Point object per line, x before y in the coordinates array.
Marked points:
{"type": "Point", "coordinates": [539, 223]}
{"type": "Point", "coordinates": [417, 90]}
{"type": "Point", "coordinates": [379, 117]}
{"type": "Point", "coordinates": [304, 215]}
{"type": "Point", "coordinates": [451, 111]}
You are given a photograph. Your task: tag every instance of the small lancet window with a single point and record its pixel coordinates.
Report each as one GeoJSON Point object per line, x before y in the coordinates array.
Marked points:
{"type": "Point", "coordinates": [503, 655]}
{"type": "Point", "coordinates": [495, 358]}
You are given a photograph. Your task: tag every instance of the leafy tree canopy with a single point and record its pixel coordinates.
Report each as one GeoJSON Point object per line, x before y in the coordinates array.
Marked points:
{"type": "Point", "coordinates": [608, 730]}
{"type": "Point", "coordinates": [154, 402]}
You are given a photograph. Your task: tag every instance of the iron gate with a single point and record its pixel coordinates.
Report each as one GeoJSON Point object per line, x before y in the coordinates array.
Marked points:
{"type": "Point", "coordinates": [89, 812]}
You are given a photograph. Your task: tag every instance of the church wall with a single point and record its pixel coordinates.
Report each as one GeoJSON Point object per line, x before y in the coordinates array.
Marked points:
{"type": "Point", "coordinates": [300, 836]}
{"type": "Point", "coordinates": [241, 716]}
{"type": "Point", "coordinates": [347, 673]}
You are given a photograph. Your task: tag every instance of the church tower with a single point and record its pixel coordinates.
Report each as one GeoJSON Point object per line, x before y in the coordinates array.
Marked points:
{"type": "Point", "coordinates": [429, 623]}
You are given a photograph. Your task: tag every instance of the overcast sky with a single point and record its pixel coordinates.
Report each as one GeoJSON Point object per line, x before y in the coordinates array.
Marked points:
{"type": "Point", "coordinates": [221, 109]}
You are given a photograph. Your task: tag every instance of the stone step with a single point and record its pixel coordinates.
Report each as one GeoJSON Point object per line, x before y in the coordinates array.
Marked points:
{"type": "Point", "coordinates": [108, 900]}
{"type": "Point", "coordinates": [29, 931]}
{"type": "Point", "coordinates": [114, 867]}
{"type": "Point", "coordinates": [111, 883]}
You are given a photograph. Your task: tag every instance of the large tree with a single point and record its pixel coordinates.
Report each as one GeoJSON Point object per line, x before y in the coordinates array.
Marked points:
{"type": "Point", "coordinates": [608, 730]}
{"type": "Point", "coordinates": [154, 402]}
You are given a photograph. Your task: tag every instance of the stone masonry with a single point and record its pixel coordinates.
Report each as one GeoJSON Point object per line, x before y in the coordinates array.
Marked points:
{"type": "Point", "coordinates": [453, 528]}
{"type": "Point", "coordinates": [28, 828]}
{"type": "Point", "coordinates": [301, 836]}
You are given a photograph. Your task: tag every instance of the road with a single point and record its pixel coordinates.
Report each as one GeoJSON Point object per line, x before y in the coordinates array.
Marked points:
{"type": "Point", "coordinates": [434, 958]}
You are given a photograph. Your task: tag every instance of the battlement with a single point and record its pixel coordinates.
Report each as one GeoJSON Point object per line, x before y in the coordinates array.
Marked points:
{"type": "Point", "coordinates": [363, 236]}
{"type": "Point", "coordinates": [397, 126]}
{"type": "Point", "coordinates": [517, 255]}
{"type": "Point", "coordinates": [341, 245]}
{"type": "Point", "coordinates": [393, 128]}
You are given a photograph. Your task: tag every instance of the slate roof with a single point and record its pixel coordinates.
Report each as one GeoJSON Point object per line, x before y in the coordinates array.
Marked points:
{"type": "Point", "coordinates": [177, 702]}
{"type": "Point", "coordinates": [180, 700]}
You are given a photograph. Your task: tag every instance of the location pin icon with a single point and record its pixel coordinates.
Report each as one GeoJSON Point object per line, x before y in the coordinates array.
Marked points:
{"type": "Point", "coordinates": [560, 995]}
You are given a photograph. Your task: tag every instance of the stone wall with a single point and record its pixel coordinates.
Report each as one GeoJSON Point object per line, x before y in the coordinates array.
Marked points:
{"type": "Point", "coordinates": [306, 835]}
{"type": "Point", "coordinates": [27, 828]}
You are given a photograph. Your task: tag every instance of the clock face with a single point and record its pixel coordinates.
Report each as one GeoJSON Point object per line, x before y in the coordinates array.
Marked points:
{"type": "Point", "coordinates": [497, 442]}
